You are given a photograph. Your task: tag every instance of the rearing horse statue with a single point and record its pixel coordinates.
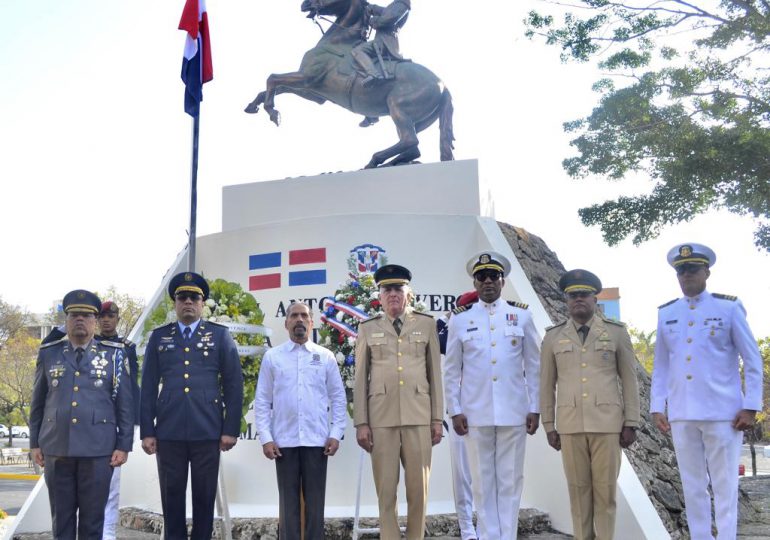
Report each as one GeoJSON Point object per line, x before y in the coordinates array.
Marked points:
{"type": "Point", "coordinates": [414, 98]}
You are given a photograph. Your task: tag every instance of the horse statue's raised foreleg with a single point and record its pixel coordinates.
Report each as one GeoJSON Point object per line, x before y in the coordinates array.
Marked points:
{"type": "Point", "coordinates": [253, 107]}
{"type": "Point", "coordinates": [405, 150]}
{"type": "Point", "coordinates": [291, 81]}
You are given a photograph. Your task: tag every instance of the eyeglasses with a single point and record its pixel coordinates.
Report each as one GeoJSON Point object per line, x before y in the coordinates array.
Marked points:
{"type": "Point", "coordinates": [487, 274]}
{"type": "Point", "coordinates": [185, 296]}
{"type": "Point", "coordinates": [688, 269]}
{"type": "Point", "coordinates": [579, 294]}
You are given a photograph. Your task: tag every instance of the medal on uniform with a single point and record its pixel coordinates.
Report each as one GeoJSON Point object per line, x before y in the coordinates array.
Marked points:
{"type": "Point", "coordinates": [55, 383]}
{"type": "Point", "coordinates": [98, 383]}
{"type": "Point", "coordinates": [512, 319]}
{"type": "Point", "coordinates": [200, 345]}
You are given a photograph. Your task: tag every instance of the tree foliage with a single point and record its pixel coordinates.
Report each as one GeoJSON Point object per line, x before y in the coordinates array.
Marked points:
{"type": "Point", "coordinates": [12, 320]}
{"type": "Point", "coordinates": [131, 308]}
{"type": "Point", "coordinates": [764, 415]}
{"type": "Point", "coordinates": [644, 346]}
{"type": "Point", "coordinates": [686, 101]}
{"type": "Point", "coordinates": [17, 373]}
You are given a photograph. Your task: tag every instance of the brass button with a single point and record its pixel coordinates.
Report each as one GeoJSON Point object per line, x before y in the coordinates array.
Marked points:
{"type": "Point", "coordinates": [494, 379]}
{"type": "Point", "coordinates": [712, 332]}
{"type": "Point", "coordinates": [187, 362]}
{"type": "Point", "coordinates": [491, 327]}
{"type": "Point", "coordinates": [493, 343]}
{"type": "Point", "coordinates": [583, 364]}
{"type": "Point", "coordinates": [75, 388]}
{"type": "Point", "coordinates": [205, 353]}
{"type": "Point", "coordinates": [401, 368]}
{"type": "Point", "coordinates": [77, 374]}
{"type": "Point", "coordinates": [491, 313]}
{"type": "Point", "coordinates": [400, 354]}
{"type": "Point", "coordinates": [689, 357]}
{"type": "Point", "coordinates": [187, 349]}
{"type": "Point", "coordinates": [689, 340]}
{"type": "Point", "coordinates": [585, 350]}
{"type": "Point", "coordinates": [186, 390]}
{"type": "Point", "coordinates": [584, 379]}
{"type": "Point", "coordinates": [692, 306]}
{"type": "Point", "coordinates": [585, 394]}
{"type": "Point", "coordinates": [74, 420]}
{"type": "Point", "coordinates": [74, 403]}
{"type": "Point", "coordinates": [690, 323]}
{"type": "Point", "coordinates": [689, 377]}
{"type": "Point", "coordinates": [401, 383]}
{"type": "Point", "coordinates": [494, 361]}
{"type": "Point", "coordinates": [186, 375]}
{"type": "Point", "coordinates": [400, 340]}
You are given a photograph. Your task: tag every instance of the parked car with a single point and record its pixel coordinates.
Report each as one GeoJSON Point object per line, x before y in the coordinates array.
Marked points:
{"type": "Point", "coordinates": [3, 431]}
{"type": "Point", "coordinates": [20, 431]}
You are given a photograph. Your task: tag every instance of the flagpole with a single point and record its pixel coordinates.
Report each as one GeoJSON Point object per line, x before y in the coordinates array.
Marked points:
{"type": "Point", "coordinates": [193, 193]}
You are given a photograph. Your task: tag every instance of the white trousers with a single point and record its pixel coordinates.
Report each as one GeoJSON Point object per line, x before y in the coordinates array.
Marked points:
{"type": "Point", "coordinates": [112, 508]}
{"type": "Point", "coordinates": [703, 450]}
{"type": "Point", "coordinates": [461, 483]}
{"type": "Point", "coordinates": [496, 455]}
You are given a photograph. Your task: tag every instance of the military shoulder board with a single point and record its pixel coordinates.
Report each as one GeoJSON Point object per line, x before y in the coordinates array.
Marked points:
{"type": "Point", "coordinates": [517, 304]}
{"type": "Point", "coordinates": [725, 297]}
{"type": "Point", "coordinates": [460, 309]}
{"type": "Point", "coordinates": [613, 321]}
{"type": "Point", "coordinates": [372, 318]}
{"type": "Point", "coordinates": [115, 344]}
{"type": "Point", "coordinates": [52, 343]}
{"type": "Point", "coordinates": [423, 314]}
{"type": "Point", "coordinates": [668, 303]}
{"type": "Point", "coordinates": [557, 325]}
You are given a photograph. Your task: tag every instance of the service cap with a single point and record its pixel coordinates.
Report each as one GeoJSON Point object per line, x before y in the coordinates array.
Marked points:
{"type": "Point", "coordinates": [579, 280]}
{"type": "Point", "coordinates": [188, 282]}
{"type": "Point", "coordinates": [392, 274]}
{"type": "Point", "coordinates": [81, 301]}
{"type": "Point", "coordinates": [691, 253]}
{"type": "Point", "coordinates": [488, 260]}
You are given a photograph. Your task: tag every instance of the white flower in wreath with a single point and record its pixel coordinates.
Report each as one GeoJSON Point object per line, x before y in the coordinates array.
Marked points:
{"type": "Point", "coordinates": [375, 295]}
{"type": "Point", "coordinates": [351, 341]}
{"type": "Point", "coordinates": [340, 358]}
{"type": "Point", "coordinates": [349, 383]}
{"type": "Point", "coordinates": [224, 318]}
{"type": "Point", "coordinates": [206, 312]}
{"type": "Point", "coordinates": [361, 307]}
{"type": "Point", "coordinates": [339, 297]}
{"type": "Point", "coordinates": [339, 316]}
{"type": "Point", "coordinates": [327, 341]}
{"type": "Point", "coordinates": [210, 303]}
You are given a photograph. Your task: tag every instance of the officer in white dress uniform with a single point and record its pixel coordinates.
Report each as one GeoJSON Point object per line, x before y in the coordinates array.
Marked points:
{"type": "Point", "coordinates": [492, 386]}
{"type": "Point", "coordinates": [696, 389]}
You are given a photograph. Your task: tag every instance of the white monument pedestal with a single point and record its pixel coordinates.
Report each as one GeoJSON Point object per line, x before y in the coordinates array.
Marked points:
{"type": "Point", "coordinates": [425, 217]}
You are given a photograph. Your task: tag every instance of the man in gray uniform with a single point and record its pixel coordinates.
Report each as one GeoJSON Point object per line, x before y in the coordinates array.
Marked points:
{"type": "Point", "coordinates": [81, 420]}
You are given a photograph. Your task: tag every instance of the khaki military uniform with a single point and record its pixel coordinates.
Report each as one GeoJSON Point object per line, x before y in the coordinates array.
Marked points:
{"type": "Point", "coordinates": [398, 394]}
{"type": "Point", "coordinates": [589, 410]}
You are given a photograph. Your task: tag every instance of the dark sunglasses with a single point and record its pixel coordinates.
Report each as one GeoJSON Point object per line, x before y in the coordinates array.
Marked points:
{"type": "Point", "coordinates": [185, 296]}
{"type": "Point", "coordinates": [689, 269]}
{"type": "Point", "coordinates": [579, 294]}
{"type": "Point", "coordinates": [487, 274]}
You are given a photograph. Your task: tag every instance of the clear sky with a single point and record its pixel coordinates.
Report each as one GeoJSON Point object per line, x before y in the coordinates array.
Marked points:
{"type": "Point", "coordinates": [96, 146]}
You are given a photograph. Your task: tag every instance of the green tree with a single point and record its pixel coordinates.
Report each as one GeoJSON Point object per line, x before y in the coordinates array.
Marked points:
{"type": "Point", "coordinates": [17, 375]}
{"type": "Point", "coordinates": [644, 346]}
{"type": "Point", "coordinates": [686, 100]}
{"type": "Point", "coordinates": [764, 416]}
{"type": "Point", "coordinates": [131, 308]}
{"type": "Point", "coordinates": [12, 320]}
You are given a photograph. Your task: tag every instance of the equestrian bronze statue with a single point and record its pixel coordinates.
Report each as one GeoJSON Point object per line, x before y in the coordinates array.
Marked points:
{"type": "Point", "coordinates": [337, 70]}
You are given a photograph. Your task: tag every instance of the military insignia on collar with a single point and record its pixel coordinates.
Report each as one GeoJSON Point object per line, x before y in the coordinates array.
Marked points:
{"type": "Point", "coordinates": [685, 251]}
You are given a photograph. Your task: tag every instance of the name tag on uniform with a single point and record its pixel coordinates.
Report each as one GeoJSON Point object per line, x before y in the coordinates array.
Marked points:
{"type": "Point", "coordinates": [378, 334]}
{"type": "Point", "coordinates": [564, 341]}
{"type": "Point", "coordinates": [672, 322]}
{"type": "Point", "coordinates": [472, 329]}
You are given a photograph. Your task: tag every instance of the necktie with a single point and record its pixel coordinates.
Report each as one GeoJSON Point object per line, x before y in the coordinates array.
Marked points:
{"type": "Point", "coordinates": [187, 333]}
{"type": "Point", "coordinates": [397, 326]}
{"type": "Point", "coordinates": [583, 331]}
{"type": "Point", "coordinates": [79, 356]}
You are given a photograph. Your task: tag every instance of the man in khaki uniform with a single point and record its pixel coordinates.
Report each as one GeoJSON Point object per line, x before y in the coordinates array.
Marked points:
{"type": "Point", "coordinates": [398, 402]}
{"type": "Point", "coordinates": [589, 358]}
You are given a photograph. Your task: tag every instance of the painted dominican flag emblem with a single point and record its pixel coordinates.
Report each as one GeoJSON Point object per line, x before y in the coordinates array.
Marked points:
{"type": "Point", "coordinates": [305, 267]}
{"type": "Point", "coordinates": [367, 258]}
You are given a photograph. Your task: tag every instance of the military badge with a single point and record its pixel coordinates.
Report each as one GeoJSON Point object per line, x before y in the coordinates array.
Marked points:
{"type": "Point", "coordinates": [604, 337]}
{"type": "Point", "coordinates": [685, 251]}
{"type": "Point", "coordinates": [188, 276]}
{"type": "Point", "coordinates": [98, 383]}
{"type": "Point", "coordinates": [512, 319]}
{"type": "Point", "coordinates": [55, 383]}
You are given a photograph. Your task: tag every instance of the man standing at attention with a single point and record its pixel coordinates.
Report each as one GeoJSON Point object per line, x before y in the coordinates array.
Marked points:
{"type": "Point", "coordinates": [108, 319]}
{"type": "Point", "coordinates": [696, 389]}
{"type": "Point", "coordinates": [398, 400]}
{"type": "Point", "coordinates": [81, 419]}
{"type": "Point", "coordinates": [299, 385]}
{"type": "Point", "coordinates": [589, 359]}
{"type": "Point", "coordinates": [198, 412]}
{"type": "Point", "coordinates": [492, 382]}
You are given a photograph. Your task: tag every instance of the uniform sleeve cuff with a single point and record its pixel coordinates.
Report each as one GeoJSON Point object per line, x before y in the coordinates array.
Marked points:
{"type": "Point", "coordinates": [548, 426]}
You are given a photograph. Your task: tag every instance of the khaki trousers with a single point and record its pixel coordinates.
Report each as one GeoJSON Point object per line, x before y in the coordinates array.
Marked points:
{"type": "Point", "coordinates": [411, 447]}
{"type": "Point", "coordinates": [591, 465]}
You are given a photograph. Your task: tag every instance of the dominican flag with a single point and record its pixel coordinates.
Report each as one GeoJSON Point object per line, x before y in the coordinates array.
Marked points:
{"type": "Point", "coordinates": [196, 65]}
{"type": "Point", "coordinates": [306, 267]}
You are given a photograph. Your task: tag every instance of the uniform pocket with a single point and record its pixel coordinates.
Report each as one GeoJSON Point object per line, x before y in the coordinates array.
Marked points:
{"type": "Point", "coordinates": [104, 416]}
{"type": "Point", "coordinates": [376, 389]}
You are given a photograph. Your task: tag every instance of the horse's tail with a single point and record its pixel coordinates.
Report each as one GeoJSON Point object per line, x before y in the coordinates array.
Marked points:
{"type": "Point", "coordinates": [446, 129]}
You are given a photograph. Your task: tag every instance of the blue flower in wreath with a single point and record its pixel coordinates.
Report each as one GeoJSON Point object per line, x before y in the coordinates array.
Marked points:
{"type": "Point", "coordinates": [355, 284]}
{"type": "Point", "coordinates": [330, 311]}
{"type": "Point", "coordinates": [350, 360]}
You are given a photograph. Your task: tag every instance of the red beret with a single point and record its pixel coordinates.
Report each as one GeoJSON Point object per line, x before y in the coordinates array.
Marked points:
{"type": "Point", "coordinates": [109, 307]}
{"type": "Point", "coordinates": [469, 297]}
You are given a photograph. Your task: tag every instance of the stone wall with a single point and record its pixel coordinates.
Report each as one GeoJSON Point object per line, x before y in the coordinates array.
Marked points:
{"type": "Point", "coordinates": [652, 456]}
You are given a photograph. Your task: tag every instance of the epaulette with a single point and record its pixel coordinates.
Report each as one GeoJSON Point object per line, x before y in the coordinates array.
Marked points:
{"type": "Point", "coordinates": [52, 343]}
{"type": "Point", "coordinates": [668, 303]}
{"type": "Point", "coordinates": [115, 344]}
{"type": "Point", "coordinates": [423, 314]}
{"type": "Point", "coordinates": [518, 304]}
{"type": "Point", "coordinates": [613, 321]}
{"type": "Point", "coordinates": [460, 309]}
{"type": "Point", "coordinates": [557, 325]}
{"type": "Point", "coordinates": [372, 318]}
{"type": "Point", "coordinates": [729, 297]}
{"type": "Point", "coordinates": [167, 325]}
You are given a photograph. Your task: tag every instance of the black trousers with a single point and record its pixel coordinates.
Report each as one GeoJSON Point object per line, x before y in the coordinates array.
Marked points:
{"type": "Point", "coordinates": [78, 488]}
{"type": "Point", "coordinates": [305, 467]}
{"type": "Point", "coordinates": [175, 458]}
